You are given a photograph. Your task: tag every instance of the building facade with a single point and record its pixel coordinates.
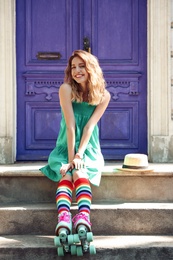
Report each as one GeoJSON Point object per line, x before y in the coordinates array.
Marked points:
{"type": "Point", "coordinates": [159, 81]}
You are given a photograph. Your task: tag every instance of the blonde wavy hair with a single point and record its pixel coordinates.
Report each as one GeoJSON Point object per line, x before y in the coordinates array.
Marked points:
{"type": "Point", "coordinates": [96, 83]}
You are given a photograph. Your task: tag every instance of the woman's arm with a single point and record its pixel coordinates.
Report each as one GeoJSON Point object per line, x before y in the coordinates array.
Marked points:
{"type": "Point", "coordinates": [66, 105]}
{"type": "Point", "coordinates": [88, 129]}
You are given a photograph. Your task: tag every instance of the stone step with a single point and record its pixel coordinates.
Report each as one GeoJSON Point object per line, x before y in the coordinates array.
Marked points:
{"type": "Point", "coordinates": [23, 182]}
{"type": "Point", "coordinates": [108, 218]}
{"type": "Point", "coordinates": [108, 247]}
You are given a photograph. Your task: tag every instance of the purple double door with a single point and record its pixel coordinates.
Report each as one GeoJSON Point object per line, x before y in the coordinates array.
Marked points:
{"type": "Point", "coordinates": [47, 33]}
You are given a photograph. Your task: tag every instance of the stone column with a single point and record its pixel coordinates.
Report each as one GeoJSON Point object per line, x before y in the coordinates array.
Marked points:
{"type": "Point", "coordinates": [159, 80]}
{"type": "Point", "coordinates": [7, 81]}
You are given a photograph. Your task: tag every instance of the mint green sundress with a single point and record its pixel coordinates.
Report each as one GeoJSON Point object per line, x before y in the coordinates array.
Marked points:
{"type": "Point", "coordinates": [92, 157]}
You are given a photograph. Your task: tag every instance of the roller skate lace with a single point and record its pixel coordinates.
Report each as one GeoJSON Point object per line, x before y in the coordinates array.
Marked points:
{"type": "Point", "coordinates": [65, 216]}
{"type": "Point", "coordinates": [79, 217]}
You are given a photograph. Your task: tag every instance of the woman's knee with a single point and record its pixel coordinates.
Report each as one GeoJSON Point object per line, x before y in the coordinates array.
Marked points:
{"type": "Point", "coordinates": [67, 177]}
{"type": "Point", "coordinates": [79, 174]}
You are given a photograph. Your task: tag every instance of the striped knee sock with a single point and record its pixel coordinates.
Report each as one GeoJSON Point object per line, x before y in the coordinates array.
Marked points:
{"type": "Point", "coordinates": [83, 194]}
{"type": "Point", "coordinates": [64, 196]}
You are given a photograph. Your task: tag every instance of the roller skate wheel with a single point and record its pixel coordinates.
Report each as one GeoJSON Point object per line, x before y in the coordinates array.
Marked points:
{"type": "Point", "coordinates": [76, 238]}
{"type": "Point", "coordinates": [57, 241]}
{"type": "Point", "coordinates": [63, 234]}
{"type": "Point", "coordinates": [92, 250]}
{"type": "Point", "coordinates": [70, 239]}
{"type": "Point", "coordinates": [82, 230]}
{"type": "Point", "coordinates": [73, 250]}
{"type": "Point", "coordinates": [66, 248]}
{"type": "Point", "coordinates": [60, 251]}
{"type": "Point", "coordinates": [79, 251]}
{"type": "Point", "coordinates": [89, 236]}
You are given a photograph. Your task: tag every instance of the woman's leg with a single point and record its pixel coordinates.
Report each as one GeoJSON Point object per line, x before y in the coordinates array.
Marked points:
{"type": "Point", "coordinates": [63, 202]}
{"type": "Point", "coordinates": [83, 199]}
{"type": "Point", "coordinates": [83, 194]}
{"type": "Point", "coordinates": [64, 194]}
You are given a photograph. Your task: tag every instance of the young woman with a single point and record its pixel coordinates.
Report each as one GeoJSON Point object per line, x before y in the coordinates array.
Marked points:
{"type": "Point", "coordinates": [77, 160]}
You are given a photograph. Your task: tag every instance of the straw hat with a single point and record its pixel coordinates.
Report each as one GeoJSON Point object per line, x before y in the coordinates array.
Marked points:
{"type": "Point", "coordinates": [135, 162]}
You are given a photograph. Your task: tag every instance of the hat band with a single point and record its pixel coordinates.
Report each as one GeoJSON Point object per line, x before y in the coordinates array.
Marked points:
{"type": "Point", "coordinates": [134, 167]}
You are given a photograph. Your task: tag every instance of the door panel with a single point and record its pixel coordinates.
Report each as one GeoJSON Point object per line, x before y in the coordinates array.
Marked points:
{"type": "Point", "coordinates": [117, 34]}
{"type": "Point", "coordinates": [49, 28]}
{"type": "Point", "coordinates": [42, 135]}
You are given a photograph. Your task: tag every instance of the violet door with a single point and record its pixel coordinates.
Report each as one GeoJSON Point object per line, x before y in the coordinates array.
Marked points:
{"type": "Point", "coordinates": [47, 33]}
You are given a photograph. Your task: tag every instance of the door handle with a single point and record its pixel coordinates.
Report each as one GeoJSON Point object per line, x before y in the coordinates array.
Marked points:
{"type": "Point", "coordinates": [86, 44]}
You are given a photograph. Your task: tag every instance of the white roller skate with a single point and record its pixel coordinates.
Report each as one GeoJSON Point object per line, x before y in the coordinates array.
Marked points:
{"type": "Point", "coordinates": [83, 235]}
{"type": "Point", "coordinates": [63, 231]}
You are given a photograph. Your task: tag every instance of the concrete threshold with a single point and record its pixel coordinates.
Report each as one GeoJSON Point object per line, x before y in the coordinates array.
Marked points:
{"type": "Point", "coordinates": [107, 247]}
{"type": "Point", "coordinates": [107, 218]}
{"type": "Point", "coordinates": [117, 241]}
{"type": "Point", "coordinates": [110, 168]}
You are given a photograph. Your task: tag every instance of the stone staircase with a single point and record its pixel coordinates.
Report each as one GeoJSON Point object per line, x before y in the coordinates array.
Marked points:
{"type": "Point", "coordinates": [132, 214]}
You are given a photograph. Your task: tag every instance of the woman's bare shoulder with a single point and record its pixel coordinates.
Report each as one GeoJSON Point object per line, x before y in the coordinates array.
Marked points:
{"type": "Point", "coordinates": [65, 86]}
{"type": "Point", "coordinates": [106, 96]}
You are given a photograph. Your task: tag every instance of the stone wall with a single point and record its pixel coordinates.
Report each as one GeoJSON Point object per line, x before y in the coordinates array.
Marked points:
{"type": "Point", "coordinates": [172, 59]}
{"type": "Point", "coordinates": [160, 125]}
{"type": "Point", "coordinates": [7, 81]}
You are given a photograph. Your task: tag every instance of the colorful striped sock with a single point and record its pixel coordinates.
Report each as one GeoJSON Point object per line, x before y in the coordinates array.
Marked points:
{"type": "Point", "coordinates": [83, 194]}
{"type": "Point", "coordinates": [64, 196]}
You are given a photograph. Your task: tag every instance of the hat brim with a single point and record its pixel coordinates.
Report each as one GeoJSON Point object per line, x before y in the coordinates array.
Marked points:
{"type": "Point", "coordinates": [149, 169]}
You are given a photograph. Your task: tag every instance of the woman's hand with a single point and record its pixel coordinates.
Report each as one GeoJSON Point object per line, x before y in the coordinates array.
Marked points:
{"type": "Point", "coordinates": [78, 162]}
{"type": "Point", "coordinates": [65, 168]}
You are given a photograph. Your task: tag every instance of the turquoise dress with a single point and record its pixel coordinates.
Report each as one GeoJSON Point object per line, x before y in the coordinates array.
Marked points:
{"type": "Point", "coordinates": [92, 157]}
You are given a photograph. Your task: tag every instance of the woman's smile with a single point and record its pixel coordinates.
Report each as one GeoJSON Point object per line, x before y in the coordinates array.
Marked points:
{"type": "Point", "coordinates": [78, 71]}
